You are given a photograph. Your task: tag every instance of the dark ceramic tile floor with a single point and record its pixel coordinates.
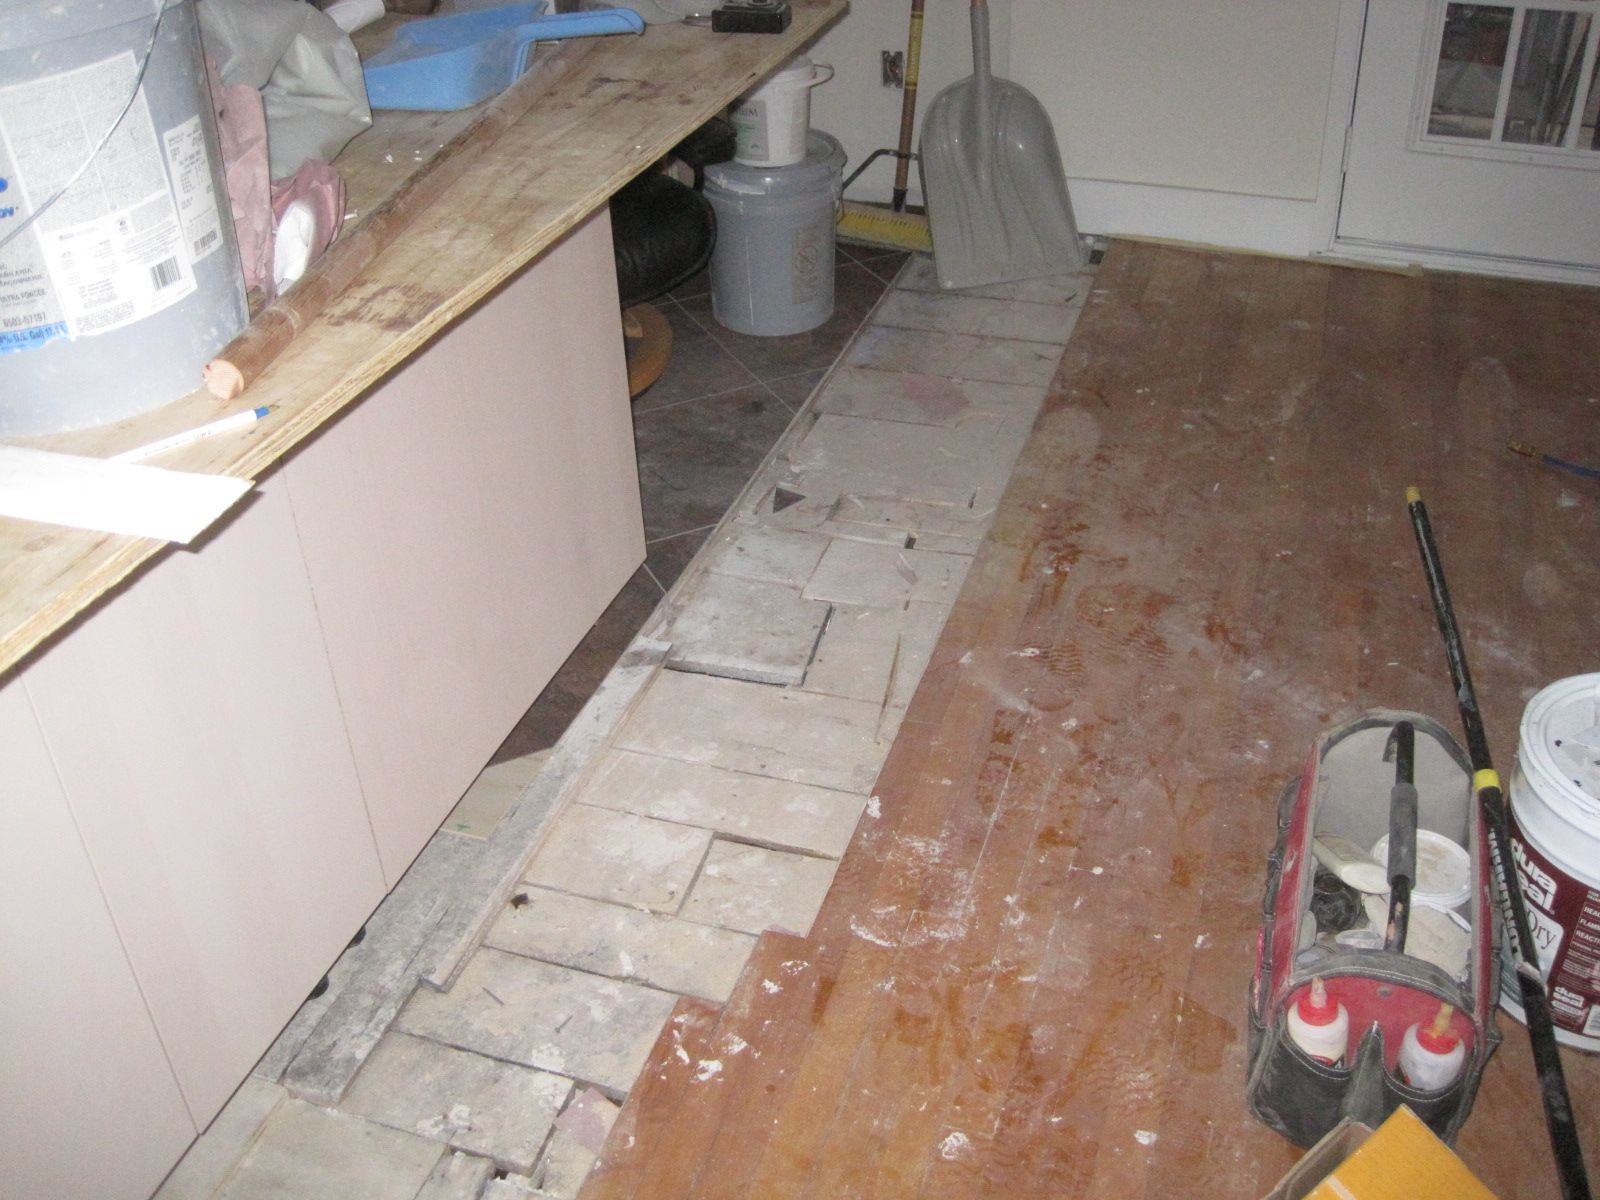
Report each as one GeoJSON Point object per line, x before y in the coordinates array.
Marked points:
{"type": "Point", "coordinates": [701, 432]}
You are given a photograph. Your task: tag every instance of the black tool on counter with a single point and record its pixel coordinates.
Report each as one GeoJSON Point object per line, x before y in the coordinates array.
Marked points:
{"type": "Point", "coordinates": [751, 16]}
{"type": "Point", "coordinates": [1491, 802]}
{"type": "Point", "coordinates": [1402, 749]}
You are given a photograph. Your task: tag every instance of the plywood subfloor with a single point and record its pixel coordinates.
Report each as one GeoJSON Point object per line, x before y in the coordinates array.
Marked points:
{"type": "Point", "coordinates": [1029, 978]}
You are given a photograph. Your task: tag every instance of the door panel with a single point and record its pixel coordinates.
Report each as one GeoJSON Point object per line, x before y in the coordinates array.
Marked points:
{"type": "Point", "coordinates": [1474, 131]}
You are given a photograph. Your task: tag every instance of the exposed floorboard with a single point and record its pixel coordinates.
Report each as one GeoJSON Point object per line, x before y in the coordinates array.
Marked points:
{"type": "Point", "coordinates": [1029, 977]}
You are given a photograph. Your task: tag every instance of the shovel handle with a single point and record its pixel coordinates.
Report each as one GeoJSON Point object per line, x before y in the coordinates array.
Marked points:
{"type": "Point", "coordinates": [982, 90]}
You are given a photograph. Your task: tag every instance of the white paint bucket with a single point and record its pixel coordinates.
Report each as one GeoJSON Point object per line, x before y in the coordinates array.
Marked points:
{"type": "Point", "coordinates": [1443, 873]}
{"type": "Point", "coordinates": [1555, 840]}
{"type": "Point", "coordinates": [771, 123]}
{"type": "Point", "coordinates": [772, 270]}
{"type": "Point", "coordinates": [119, 273]}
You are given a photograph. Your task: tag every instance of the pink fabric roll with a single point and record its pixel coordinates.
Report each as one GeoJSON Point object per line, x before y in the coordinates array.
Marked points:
{"type": "Point", "coordinates": [255, 200]}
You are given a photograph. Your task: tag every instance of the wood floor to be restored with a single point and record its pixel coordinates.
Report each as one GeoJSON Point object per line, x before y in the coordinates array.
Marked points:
{"type": "Point", "coordinates": [1029, 977]}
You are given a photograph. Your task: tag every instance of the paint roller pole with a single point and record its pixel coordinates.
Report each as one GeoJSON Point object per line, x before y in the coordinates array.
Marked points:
{"type": "Point", "coordinates": [1491, 801]}
{"type": "Point", "coordinates": [1402, 748]}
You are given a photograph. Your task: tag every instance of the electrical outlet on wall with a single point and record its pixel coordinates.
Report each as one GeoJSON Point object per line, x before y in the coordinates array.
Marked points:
{"type": "Point", "coordinates": [894, 68]}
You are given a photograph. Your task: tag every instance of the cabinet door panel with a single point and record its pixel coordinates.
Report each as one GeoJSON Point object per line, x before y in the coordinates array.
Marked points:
{"type": "Point", "coordinates": [465, 525]}
{"type": "Point", "coordinates": [199, 741]}
{"type": "Point", "coordinates": [88, 1104]}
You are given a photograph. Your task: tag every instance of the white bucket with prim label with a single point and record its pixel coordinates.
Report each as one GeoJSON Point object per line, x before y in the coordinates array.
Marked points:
{"type": "Point", "coordinates": [1555, 842]}
{"type": "Point", "coordinates": [771, 123]}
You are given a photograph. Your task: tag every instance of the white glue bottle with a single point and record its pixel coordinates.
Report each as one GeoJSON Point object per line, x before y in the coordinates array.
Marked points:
{"type": "Point", "coordinates": [1320, 1026]}
{"type": "Point", "coordinates": [1431, 1055]}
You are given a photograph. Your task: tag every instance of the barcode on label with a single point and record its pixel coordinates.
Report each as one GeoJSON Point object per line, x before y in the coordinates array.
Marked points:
{"type": "Point", "coordinates": [201, 245]}
{"type": "Point", "coordinates": [165, 273]}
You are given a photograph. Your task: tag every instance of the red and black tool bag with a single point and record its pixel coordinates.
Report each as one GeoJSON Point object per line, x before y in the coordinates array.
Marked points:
{"type": "Point", "coordinates": [1344, 789]}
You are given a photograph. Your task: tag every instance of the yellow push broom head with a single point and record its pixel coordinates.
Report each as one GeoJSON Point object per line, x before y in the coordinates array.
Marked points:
{"type": "Point", "coordinates": [884, 227]}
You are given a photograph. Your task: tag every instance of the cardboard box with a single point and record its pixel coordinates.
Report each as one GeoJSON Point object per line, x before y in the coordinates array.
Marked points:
{"type": "Point", "coordinates": [1402, 1160]}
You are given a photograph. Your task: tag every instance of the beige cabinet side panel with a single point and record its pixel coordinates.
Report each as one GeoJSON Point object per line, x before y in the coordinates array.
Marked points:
{"type": "Point", "coordinates": [88, 1104]}
{"type": "Point", "coordinates": [196, 732]}
{"type": "Point", "coordinates": [465, 524]}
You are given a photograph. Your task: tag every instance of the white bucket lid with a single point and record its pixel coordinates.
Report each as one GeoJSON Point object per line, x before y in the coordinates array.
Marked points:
{"type": "Point", "coordinates": [1444, 870]}
{"type": "Point", "coordinates": [799, 74]}
{"type": "Point", "coordinates": [798, 70]}
{"type": "Point", "coordinates": [1560, 742]}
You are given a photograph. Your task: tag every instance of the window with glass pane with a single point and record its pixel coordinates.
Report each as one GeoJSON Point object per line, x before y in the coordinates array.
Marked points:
{"type": "Point", "coordinates": [1519, 75]}
{"type": "Point", "coordinates": [1589, 132]}
{"type": "Point", "coordinates": [1544, 83]}
{"type": "Point", "coordinates": [1472, 55]}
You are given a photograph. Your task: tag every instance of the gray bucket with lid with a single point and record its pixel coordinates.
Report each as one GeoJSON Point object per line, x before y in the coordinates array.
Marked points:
{"type": "Point", "coordinates": [772, 269]}
{"type": "Point", "coordinates": [112, 300]}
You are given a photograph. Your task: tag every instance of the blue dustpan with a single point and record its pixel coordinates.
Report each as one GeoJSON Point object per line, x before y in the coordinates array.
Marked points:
{"type": "Point", "coordinates": [458, 60]}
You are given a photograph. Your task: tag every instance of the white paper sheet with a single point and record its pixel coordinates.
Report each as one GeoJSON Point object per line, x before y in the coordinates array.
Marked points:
{"type": "Point", "coordinates": [91, 493]}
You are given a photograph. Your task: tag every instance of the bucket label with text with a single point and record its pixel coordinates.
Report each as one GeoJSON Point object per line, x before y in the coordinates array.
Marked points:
{"type": "Point", "coordinates": [112, 249]}
{"type": "Point", "coordinates": [1565, 917]}
{"type": "Point", "coordinates": [190, 169]}
{"type": "Point", "coordinates": [810, 250]}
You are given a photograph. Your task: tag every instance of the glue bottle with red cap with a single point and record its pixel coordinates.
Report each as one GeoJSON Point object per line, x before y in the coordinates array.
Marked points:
{"type": "Point", "coordinates": [1431, 1055]}
{"type": "Point", "coordinates": [1319, 1025]}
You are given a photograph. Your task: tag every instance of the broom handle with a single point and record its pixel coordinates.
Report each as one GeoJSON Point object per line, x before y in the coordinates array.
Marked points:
{"type": "Point", "coordinates": [908, 105]}
{"type": "Point", "coordinates": [1535, 1004]}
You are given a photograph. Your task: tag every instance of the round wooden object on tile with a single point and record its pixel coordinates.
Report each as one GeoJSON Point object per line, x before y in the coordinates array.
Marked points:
{"type": "Point", "coordinates": [649, 343]}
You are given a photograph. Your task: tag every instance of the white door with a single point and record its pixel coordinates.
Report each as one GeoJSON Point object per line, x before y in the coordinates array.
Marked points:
{"type": "Point", "coordinates": [1474, 135]}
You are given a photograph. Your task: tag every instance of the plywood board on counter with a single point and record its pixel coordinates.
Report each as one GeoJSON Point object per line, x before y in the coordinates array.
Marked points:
{"type": "Point", "coordinates": [620, 104]}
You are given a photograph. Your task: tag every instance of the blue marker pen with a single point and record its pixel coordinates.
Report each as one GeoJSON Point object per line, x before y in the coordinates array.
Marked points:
{"type": "Point", "coordinates": [211, 429]}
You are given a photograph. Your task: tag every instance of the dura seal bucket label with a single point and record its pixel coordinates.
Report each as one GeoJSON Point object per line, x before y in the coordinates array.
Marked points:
{"type": "Point", "coordinates": [1565, 915]}
{"type": "Point", "coordinates": [1555, 847]}
{"type": "Point", "coordinates": [121, 242]}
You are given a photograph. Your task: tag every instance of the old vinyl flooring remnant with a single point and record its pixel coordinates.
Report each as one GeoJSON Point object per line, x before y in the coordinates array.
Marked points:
{"type": "Point", "coordinates": [1029, 976]}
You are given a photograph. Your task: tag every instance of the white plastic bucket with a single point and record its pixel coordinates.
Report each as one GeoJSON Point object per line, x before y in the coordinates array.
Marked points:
{"type": "Point", "coordinates": [1555, 841]}
{"type": "Point", "coordinates": [1443, 873]}
{"type": "Point", "coordinates": [771, 123]}
{"type": "Point", "coordinates": [113, 299]}
{"type": "Point", "coordinates": [772, 269]}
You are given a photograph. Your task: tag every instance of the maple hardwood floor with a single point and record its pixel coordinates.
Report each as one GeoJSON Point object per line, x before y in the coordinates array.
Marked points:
{"type": "Point", "coordinates": [1029, 977]}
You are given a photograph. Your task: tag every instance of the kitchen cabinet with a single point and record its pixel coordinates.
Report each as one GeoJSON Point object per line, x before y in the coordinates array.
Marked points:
{"type": "Point", "coordinates": [222, 771]}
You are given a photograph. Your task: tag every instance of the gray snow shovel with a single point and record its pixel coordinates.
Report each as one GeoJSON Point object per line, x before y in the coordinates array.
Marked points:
{"type": "Point", "coordinates": [992, 179]}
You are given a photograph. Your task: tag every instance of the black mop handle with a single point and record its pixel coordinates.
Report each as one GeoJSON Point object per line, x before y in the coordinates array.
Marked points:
{"type": "Point", "coordinates": [1491, 801]}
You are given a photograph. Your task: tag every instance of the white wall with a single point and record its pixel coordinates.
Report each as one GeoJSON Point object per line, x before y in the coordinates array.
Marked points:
{"type": "Point", "coordinates": [1220, 95]}
{"type": "Point", "coordinates": [1203, 120]}
{"type": "Point", "coordinates": [863, 114]}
